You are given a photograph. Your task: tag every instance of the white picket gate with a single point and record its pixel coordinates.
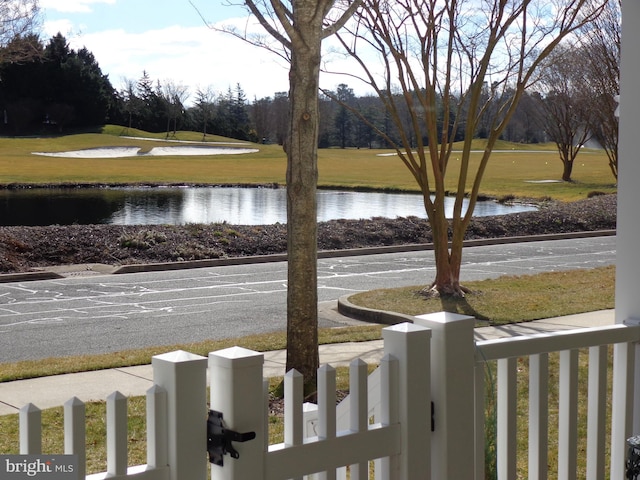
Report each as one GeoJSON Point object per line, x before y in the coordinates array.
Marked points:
{"type": "Point", "coordinates": [400, 437]}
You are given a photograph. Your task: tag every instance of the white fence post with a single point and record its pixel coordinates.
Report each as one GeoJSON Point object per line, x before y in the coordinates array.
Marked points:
{"type": "Point", "coordinates": [453, 394]}
{"type": "Point", "coordinates": [237, 391]}
{"type": "Point", "coordinates": [409, 344]}
{"type": "Point", "coordinates": [184, 377]}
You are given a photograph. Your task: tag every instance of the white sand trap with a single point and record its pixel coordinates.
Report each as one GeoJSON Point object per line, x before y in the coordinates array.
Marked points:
{"type": "Point", "coordinates": [121, 152]}
{"type": "Point", "coordinates": [103, 152]}
{"type": "Point", "coordinates": [199, 150]}
{"type": "Point", "coordinates": [543, 181]}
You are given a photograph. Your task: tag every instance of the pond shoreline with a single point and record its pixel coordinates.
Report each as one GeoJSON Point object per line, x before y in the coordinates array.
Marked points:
{"type": "Point", "coordinates": [182, 204]}
{"type": "Point", "coordinates": [24, 249]}
{"type": "Point", "coordinates": [72, 185]}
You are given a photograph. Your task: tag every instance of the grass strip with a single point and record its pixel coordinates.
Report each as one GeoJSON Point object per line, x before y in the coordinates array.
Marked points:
{"type": "Point", "coordinates": [260, 343]}
{"type": "Point", "coordinates": [508, 299]}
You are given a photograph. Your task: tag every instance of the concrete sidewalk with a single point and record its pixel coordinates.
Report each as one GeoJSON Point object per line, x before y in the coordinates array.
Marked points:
{"type": "Point", "coordinates": [53, 391]}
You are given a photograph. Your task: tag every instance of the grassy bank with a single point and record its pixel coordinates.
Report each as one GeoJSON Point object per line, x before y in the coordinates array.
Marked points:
{"type": "Point", "coordinates": [521, 170]}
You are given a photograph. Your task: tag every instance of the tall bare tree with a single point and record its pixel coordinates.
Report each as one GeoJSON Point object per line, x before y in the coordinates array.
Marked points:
{"type": "Point", "coordinates": [19, 22]}
{"type": "Point", "coordinates": [174, 96]}
{"type": "Point", "coordinates": [299, 27]}
{"type": "Point", "coordinates": [567, 103]}
{"type": "Point", "coordinates": [205, 107]}
{"type": "Point", "coordinates": [439, 54]}
{"type": "Point", "coordinates": [602, 40]}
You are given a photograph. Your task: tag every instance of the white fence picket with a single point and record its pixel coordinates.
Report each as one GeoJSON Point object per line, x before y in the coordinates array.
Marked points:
{"type": "Point", "coordinates": [568, 415]}
{"type": "Point", "coordinates": [597, 413]}
{"type": "Point", "coordinates": [75, 432]}
{"type": "Point", "coordinates": [358, 405]}
{"type": "Point", "coordinates": [327, 410]}
{"type": "Point", "coordinates": [538, 416]}
{"type": "Point", "coordinates": [293, 398]}
{"type": "Point", "coordinates": [116, 434]}
{"type": "Point", "coordinates": [507, 418]}
{"type": "Point", "coordinates": [157, 449]}
{"type": "Point", "coordinates": [388, 468]}
{"type": "Point", "coordinates": [623, 375]}
{"type": "Point", "coordinates": [30, 419]}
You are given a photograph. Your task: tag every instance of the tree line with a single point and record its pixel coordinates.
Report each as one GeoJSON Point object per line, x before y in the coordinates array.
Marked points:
{"type": "Point", "coordinates": [56, 89]}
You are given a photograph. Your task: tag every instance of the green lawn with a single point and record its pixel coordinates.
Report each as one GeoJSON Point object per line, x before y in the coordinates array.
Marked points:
{"type": "Point", "coordinates": [520, 170]}
{"type": "Point", "coordinates": [507, 299]}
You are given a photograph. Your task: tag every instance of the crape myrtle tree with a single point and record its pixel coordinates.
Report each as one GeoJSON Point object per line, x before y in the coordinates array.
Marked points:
{"type": "Point", "coordinates": [440, 55]}
{"type": "Point", "coordinates": [299, 28]}
{"type": "Point", "coordinates": [567, 103]}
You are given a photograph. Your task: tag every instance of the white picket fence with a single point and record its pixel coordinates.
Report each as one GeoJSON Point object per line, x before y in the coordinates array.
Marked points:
{"type": "Point", "coordinates": [386, 418]}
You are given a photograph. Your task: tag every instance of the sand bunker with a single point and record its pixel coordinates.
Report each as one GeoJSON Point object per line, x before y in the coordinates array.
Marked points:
{"type": "Point", "coordinates": [121, 152]}
{"type": "Point", "coordinates": [543, 181]}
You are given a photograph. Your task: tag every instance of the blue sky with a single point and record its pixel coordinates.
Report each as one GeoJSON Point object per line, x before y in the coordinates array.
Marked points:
{"type": "Point", "coordinates": [169, 40]}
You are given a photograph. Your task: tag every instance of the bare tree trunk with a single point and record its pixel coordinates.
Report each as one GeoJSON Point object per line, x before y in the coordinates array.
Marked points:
{"type": "Point", "coordinates": [567, 170]}
{"type": "Point", "coordinates": [302, 177]}
{"type": "Point", "coordinates": [300, 26]}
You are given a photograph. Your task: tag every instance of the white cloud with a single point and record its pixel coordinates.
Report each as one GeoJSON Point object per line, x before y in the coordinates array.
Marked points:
{"type": "Point", "coordinates": [52, 27]}
{"type": "Point", "coordinates": [193, 56]}
{"type": "Point", "coordinates": [72, 6]}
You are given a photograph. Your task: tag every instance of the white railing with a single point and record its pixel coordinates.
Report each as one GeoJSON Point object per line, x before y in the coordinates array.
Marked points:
{"type": "Point", "coordinates": [567, 344]}
{"type": "Point", "coordinates": [451, 342]}
{"type": "Point", "coordinates": [386, 418]}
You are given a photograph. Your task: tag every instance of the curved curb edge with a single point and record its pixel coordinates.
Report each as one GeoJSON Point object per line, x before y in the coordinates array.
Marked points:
{"type": "Point", "coordinates": [348, 309]}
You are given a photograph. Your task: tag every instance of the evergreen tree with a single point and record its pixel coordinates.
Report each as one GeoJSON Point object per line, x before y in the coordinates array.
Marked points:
{"type": "Point", "coordinates": [57, 87]}
{"type": "Point", "coordinates": [343, 120]}
{"type": "Point", "coordinates": [239, 115]}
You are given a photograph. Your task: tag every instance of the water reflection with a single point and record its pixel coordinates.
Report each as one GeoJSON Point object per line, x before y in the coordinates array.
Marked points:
{"type": "Point", "coordinates": [240, 206]}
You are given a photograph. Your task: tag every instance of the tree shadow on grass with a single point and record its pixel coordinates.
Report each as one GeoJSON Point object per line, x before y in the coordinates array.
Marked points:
{"type": "Point", "coordinates": [461, 306]}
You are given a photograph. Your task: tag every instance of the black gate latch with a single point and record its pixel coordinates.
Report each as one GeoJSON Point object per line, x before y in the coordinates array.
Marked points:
{"type": "Point", "coordinates": [219, 438]}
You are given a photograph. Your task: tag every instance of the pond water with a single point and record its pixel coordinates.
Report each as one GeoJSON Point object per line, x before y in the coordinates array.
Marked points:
{"type": "Point", "coordinates": [177, 206]}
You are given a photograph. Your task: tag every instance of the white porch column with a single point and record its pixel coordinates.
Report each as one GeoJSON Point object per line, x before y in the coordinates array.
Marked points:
{"type": "Point", "coordinates": [627, 301]}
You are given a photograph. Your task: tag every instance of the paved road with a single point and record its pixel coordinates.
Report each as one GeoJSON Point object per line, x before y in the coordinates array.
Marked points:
{"type": "Point", "coordinates": [109, 313]}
